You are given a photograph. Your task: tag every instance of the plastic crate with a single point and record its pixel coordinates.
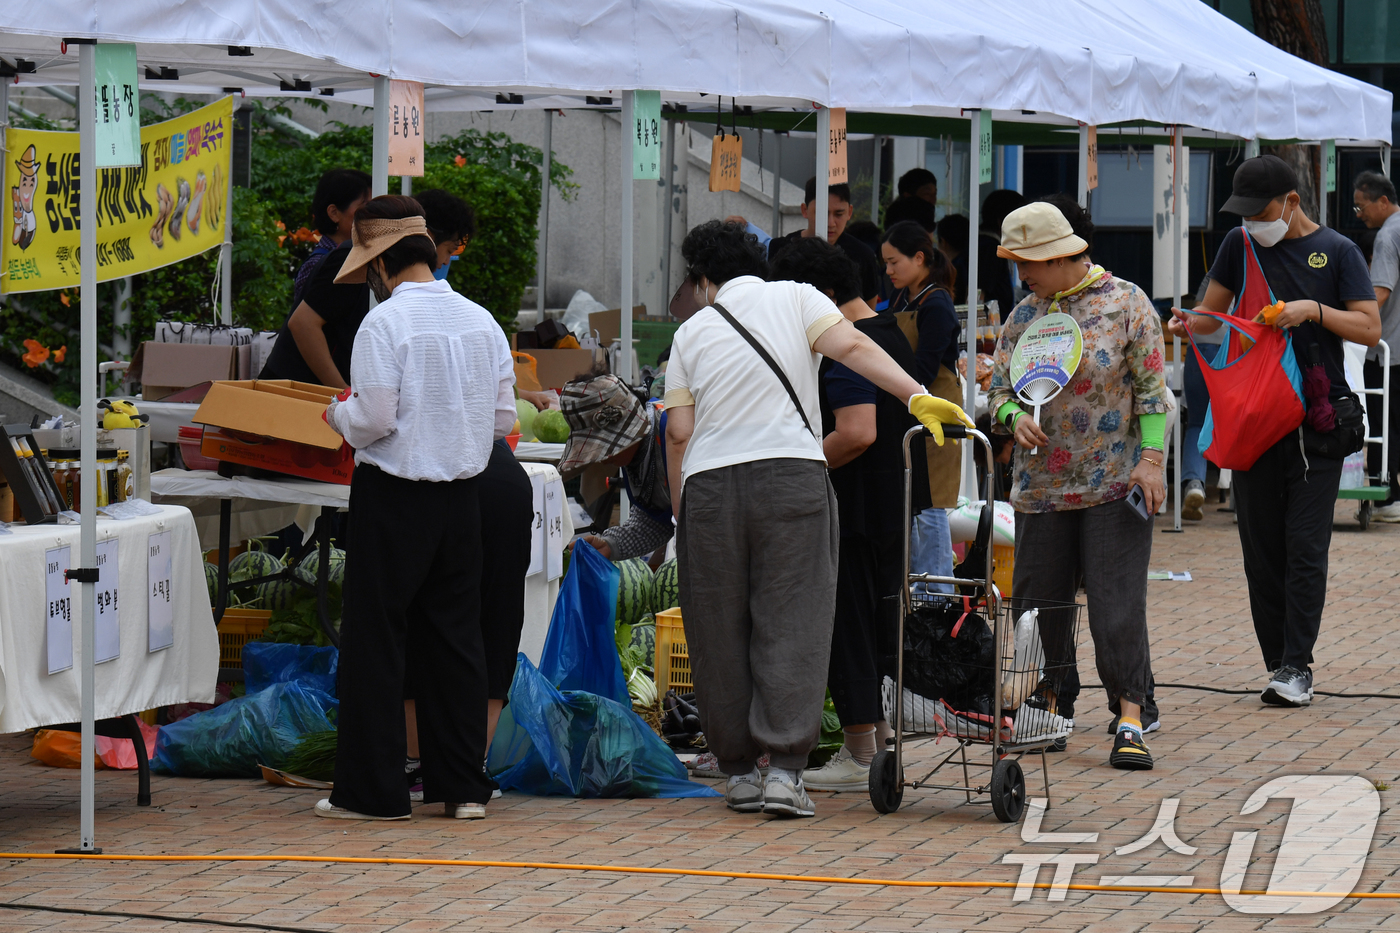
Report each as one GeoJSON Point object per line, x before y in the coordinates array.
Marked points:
{"type": "Point", "coordinates": [237, 628]}
{"type": "Point", "coordinates": [672, 654]}
{"type": "Point", "coordinates": [1003, 566]}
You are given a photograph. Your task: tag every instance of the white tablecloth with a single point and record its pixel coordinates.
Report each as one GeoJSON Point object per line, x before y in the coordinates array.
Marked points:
{"type": "Point", "coordinates": [535, 451]}
{"type": "Point", "coordinates": [137, 680]}
{"type": "Point", "coordinates": [266, 501]}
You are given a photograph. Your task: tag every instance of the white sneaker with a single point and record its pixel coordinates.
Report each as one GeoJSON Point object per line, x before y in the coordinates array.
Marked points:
{"type": "Point", "coordinates": [744, 792]}
{"type": "Point", "coordinates": [328, 810]}
{"type": "Point", "coordinates": [464, 811]}
{"type": "Point", "coordinates": [842, 772]}
{"type": "Point", "coordinates": [785, 795]}
{"type": "Point", "coordinates": [1387, 513]}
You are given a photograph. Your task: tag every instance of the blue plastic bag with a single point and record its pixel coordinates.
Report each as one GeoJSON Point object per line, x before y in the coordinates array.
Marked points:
{"type": "Point", "coordinates": [580, 652]}
{"type": "Point", "coordinates": [232, 739]}
{"type": "Point", "coordinates": [266, 663]}
{"type": "Point", "coordinates": [577, 744]}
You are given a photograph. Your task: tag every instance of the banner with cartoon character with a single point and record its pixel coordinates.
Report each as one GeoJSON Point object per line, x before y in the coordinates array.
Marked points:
{"type": "Point", "coordinates": [169, 208]}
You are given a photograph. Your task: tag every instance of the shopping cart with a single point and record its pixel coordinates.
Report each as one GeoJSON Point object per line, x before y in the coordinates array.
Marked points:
{"type": "Point", "coordinates": [1377, 486]}
{"type": "Point", "coordinates": [972, 666]}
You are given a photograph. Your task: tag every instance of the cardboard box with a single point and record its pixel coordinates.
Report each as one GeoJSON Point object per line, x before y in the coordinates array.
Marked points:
{"type": "Point", "coordinates": [165, 368]}
{"type": "Point", "coordinates": [553, 368]}
{"type": "Point", "coordinates": [608, 324]}
{"type": "Point", "coordinates": [274, 424]}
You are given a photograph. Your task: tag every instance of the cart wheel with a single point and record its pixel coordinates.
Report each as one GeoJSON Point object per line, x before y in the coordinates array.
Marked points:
{"type": "Point", "coordinates": [1008, 790]}
{"type": "Point", "coordinates": [886, 784]}
{"type": "Point", "coordinates": [1363, 514]}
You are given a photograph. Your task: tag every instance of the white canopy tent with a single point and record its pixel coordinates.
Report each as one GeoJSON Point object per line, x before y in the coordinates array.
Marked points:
{"type": "Point", "coordinates": [1089, 62]}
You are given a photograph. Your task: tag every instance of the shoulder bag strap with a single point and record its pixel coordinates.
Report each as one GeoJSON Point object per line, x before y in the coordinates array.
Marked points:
{"type": "Point", "coordinates": [772, 363]}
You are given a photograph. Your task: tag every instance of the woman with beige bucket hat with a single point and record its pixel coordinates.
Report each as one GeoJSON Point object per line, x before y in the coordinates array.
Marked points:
{"type": "Point", "coordinates": [1095, 441]}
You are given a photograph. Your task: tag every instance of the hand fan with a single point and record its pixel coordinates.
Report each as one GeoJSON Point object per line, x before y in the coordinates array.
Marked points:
{"type": "Point", "coordinates": [1045, 358]}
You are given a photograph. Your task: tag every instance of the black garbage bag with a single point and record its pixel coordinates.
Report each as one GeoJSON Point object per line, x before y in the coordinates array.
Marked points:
{"type": "Point", "coordinates": [949, 655]}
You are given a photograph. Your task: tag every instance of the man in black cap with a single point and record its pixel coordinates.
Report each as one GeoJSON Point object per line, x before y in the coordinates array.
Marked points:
{"type": "Point", "coordinates": [1286, 499]}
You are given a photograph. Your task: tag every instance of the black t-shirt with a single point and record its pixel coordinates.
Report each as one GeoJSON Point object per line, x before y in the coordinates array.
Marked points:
{"type": "Point", "coordinates": [1322, 266]}
{"type": "Point", "coordinates": [870, 489]}
{"type": "Point", "coordinates": [867, 265]}
{"type": "Point", "coordinates": [342, 306]}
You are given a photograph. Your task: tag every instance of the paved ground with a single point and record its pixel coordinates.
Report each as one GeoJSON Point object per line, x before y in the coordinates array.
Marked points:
{"type": "Point", "coordinates": [1214, 750]}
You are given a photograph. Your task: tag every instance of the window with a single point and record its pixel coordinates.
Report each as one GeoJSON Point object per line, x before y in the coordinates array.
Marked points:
{"type": "Point", "coordinates": [1371, 32]}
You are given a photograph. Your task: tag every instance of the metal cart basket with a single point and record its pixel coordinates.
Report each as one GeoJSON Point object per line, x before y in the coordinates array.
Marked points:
{"type": "Point", "coordinates": [1377, 488]}
{"type": "Point", "coordinates": [977, 666]}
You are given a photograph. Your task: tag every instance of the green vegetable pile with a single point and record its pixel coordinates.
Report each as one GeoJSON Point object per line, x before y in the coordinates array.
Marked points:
{"type": "Point", "coordinates": [314, 756]}
{"type": "Point", "coordinates": [299, 624]}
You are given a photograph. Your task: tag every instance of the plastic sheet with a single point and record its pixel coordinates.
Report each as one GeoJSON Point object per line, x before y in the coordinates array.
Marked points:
{"type": "Point", "coordinates": [233, 739]}
{"type": "Point", "coordinates": [580, 651]}
{"type": "Point", "coordinates": [577, 744]}
{"type": "Point", "coordinates": [268, 663]}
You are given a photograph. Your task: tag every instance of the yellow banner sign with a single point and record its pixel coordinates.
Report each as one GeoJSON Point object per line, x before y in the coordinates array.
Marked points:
{"type": "Point", "coordinates": [169, 208]}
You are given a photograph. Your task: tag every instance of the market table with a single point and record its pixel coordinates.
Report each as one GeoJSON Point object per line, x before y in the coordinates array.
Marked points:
{"type": "Point", "coordinates": [205, 489]}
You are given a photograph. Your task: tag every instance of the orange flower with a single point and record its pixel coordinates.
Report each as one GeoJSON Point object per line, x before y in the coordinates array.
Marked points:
{"type": "Point", "coordinates": [60, 353]}
{"type": "Point", "coordinates": [63, 297]}
{"type": "Point", "coordinates": [460, 160]}
{"type": "Point", "coordinates": [37, 354]}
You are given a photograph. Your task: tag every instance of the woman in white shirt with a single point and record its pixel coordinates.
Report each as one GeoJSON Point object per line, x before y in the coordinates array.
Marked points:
{"type": "Point", "coordinates": [428, 396]}
{"type": "Point", "coordinates": [757, 533]}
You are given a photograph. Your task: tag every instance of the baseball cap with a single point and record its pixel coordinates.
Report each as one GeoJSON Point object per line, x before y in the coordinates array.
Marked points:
{"type": "Point", "coordinates": [1038, 232]}
{"type": "Point", "coordinates": [605, 417]}
{"type": "Point", "coordinates": [1257, 182]}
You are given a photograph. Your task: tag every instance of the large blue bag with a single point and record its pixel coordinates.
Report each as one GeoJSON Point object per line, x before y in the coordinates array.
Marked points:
{"type": "Point", "coordinates": [580, 652]}
{"type": "Point", "coordinates": [577, 744]}
{"type": "Point", "coordinates": [266, 663]}
{"type": "Point", "coordinates": [232, 739]}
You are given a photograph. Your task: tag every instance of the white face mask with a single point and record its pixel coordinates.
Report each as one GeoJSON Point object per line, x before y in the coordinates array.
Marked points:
{"type": "Point", "coordinates": [1268, 232]}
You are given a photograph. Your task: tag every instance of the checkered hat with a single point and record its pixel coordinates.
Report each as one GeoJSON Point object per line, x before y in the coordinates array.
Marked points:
{"type": "Point", "coordinates": [604, 417]}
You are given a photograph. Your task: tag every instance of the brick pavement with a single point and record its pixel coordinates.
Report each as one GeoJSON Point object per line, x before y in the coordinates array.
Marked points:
{"type": "Point", "coordinates": [1213, 751]}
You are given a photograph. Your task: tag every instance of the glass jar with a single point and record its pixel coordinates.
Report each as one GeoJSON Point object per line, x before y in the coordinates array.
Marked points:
{"type": "Point", "coordinates": [125, 478]}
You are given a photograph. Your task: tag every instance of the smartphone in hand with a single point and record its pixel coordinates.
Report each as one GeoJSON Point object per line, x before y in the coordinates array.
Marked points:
{"type": "Point", "coordinates": [1137, 501]}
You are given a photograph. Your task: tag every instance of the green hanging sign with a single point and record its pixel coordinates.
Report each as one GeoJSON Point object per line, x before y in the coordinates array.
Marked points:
{"type": "Point", "coordinates": [118, 106]}
{"type": "Point", "coordinates": [1329, 162]}
{"type": "Point", "coordinates": [646, 141]}
{"type": "Point", "coordinates": [984, 146]}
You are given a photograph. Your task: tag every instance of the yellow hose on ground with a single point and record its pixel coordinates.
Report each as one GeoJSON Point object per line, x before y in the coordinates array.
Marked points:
{"type": "Point", "coordinates": [638, 870]}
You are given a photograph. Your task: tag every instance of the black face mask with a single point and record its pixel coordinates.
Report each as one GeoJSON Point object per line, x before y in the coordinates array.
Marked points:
{"type": "Point", "coordinates": [376, 285]}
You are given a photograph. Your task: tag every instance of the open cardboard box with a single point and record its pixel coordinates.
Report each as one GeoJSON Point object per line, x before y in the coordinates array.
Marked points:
{"type": "Point", "coordinates": [274, 424]}
{"type": "Point", "coordinates": [166, 368]}
{"type": "Point", "coordinates": [553, 368]}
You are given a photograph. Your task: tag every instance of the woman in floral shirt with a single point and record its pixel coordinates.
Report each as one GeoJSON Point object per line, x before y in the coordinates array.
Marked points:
{"type": "Point", "coordinates": [1097, 439]}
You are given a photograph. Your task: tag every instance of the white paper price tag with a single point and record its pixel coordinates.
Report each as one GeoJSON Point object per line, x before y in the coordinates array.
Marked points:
{"type": "Point", "coordinates": [108, 645]}
{"type": "Point", "coordinates": [58, 597]}
{"type": "Point", "coordinates": [161, 615]}
{"type": "Point", "coordinates": [537, 535]}
{"type": "Point", "coordinates": [554, 529]}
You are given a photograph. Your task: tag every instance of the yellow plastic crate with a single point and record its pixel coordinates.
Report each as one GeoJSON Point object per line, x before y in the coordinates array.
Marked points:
{"type": "Point", "coordinates": [1003, 566]}
{"type": "Point", "coordinates": [237, 628]}
{"type": "Point", "coordinates": [672, 654]}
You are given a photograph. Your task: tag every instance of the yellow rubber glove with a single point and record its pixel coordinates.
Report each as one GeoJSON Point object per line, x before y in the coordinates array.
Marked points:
{"type": "Point", "coordinates": [934, 412]}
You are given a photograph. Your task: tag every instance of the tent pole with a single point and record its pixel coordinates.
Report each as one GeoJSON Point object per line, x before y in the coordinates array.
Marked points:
{"type": "Point", "coordinates": [379, 170]}
{"type": "Point", "coordinates": [1084, 165]}
{"type": "Point", "coordinates": [1178, 179]}
{"type": "Point", "coordinates": [875, 183]}
{"type": "Point", "coordinates": [777, 226]}
{"type": "Point", "coordinates": [1251, 148]}
{"type": "Point", "coordinates": [87, 250]}
{"type": "Point", "coordinates": [542, 275]}
{"type": "Point", "coordinates": [822, 206]}
{"type": "Point", "coordinates": [226, 252]}
{"type": "Point", "coordinates": [629, 121]}
{"type": "Point", "coordinates": [974, 211]}
{"type": "Point", "coordinates": [666, 212]}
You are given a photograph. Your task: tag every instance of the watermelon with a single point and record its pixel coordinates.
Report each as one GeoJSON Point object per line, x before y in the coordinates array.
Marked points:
{"type": "Point", "coordinates": [644, 637]}
{"type": "Point", "coordinates": [666, 587]}
{"type": "Point", "coordinates": [633, 591]}
{"type": "Point", "coordinates": [525, 414]}
{"type": "Point", "coordinates": [551, 427]}
{"type": "Point", "coordinates": [279, 594]}
{"type": "Point", "coordinates": [211, 580]}
{"type": "Point", "coordinates": [252, 563]}
{"type": "Point", "coordinates": [311, 564]}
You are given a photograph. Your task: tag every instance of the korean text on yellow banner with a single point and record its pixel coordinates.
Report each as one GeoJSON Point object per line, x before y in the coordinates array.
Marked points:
{"type": "Point", "coordinates": [169, 208]}
{"type": "Point", "coordinates": [726, 158]}
{"type": "Point", "coordinates": [405, 128]}
{"type": "Point", "coordinates": [1093, 173]}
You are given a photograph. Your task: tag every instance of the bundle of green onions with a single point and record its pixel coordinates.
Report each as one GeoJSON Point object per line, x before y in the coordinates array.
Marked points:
{"type": "Point", "coordinates": [314, 757]}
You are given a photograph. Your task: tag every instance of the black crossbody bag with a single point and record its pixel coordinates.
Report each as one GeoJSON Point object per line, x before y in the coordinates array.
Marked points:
{"type": "Point", "coordinates": [772, 363]}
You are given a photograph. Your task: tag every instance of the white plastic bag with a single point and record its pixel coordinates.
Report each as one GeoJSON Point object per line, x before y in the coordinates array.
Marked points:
{"type": "Point", "coordinates": [576, 314]}
{"type": "Point", "coordinates": [1354, 471]}
{"type": "Point", "coordinates": [1022, 658]}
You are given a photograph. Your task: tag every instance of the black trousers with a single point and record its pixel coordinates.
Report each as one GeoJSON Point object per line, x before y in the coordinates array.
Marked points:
{"type": "Point", "coordinates": [866, 623]}
{"type": "Point", "coordinates": [413, 575]}
{"type": "Point", "coordinates": [1285, 505]}
{"type": "Point", "coordinates": [507, 514]}
{"type": "Point", "coordinates": [1375, 414]}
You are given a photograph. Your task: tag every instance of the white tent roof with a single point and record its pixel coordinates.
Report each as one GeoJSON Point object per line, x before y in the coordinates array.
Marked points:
{"type": "Point", "coordinates": [1092, 61]}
